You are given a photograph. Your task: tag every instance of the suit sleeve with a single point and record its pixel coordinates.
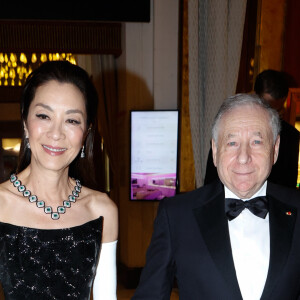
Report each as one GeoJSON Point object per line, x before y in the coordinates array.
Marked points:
{"type": "Point", "coordinates": [158, 274]}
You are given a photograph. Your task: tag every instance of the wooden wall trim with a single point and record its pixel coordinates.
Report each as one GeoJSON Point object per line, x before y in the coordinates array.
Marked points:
{"type": "Point", "coordinates": [60, 36]}
{"type": "Point", "coordinates": [10, 129]}
{"type": "Point", "coordinates": [186, 161]}
{"type": "Point", "coordinates": [10, 94]}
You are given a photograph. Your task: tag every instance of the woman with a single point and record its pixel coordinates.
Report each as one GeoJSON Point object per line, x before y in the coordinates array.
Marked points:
{"type": "Point", "coordinates": [53, 228]}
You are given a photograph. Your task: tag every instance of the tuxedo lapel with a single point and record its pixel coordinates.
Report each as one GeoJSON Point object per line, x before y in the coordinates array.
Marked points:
{"type": "Point", "coordinates": [282, 218]}
{"type": "Point", "coordinates": [213, 225]}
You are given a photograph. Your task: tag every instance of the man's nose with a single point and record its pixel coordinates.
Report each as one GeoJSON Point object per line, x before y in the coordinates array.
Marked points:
{"type": "Point", "coordinates": [244, 154]}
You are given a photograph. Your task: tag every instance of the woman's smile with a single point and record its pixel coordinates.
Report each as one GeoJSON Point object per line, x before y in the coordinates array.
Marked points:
{"type": "Point", "coordinates": [54, 150]}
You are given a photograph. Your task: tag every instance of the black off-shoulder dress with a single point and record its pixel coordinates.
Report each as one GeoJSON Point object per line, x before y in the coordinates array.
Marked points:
{"type": "Point", "coordinates": [44, 264]}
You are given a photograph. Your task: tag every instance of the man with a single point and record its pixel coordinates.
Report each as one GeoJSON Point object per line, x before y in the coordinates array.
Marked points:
{"type": "Point", "coordinates": [216, 249]}
{"type": "Point", "coordinates": [272, 86]}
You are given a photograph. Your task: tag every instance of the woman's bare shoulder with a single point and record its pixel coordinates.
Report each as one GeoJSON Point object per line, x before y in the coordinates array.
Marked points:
{"type": "Point", "coordinates": [101, 205]}
{"type": "Point", "coordinates": [8, 196]}
{"type": "Point", "coordinates": [7, 190]}
{"type": "Point", "coordinates": [99, 200]}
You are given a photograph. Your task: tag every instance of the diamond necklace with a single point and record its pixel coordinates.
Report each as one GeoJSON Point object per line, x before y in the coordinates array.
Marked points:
{"type": "Point", "coordinates": [41, 204]}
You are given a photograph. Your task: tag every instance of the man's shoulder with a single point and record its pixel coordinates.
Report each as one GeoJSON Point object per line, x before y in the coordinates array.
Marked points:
{"type": "Point", "coordinates": [284, 194]}
{"type": "Point", "coordinates": [288, 128]}
{"type": "Point", "coordinates": [195, 197]}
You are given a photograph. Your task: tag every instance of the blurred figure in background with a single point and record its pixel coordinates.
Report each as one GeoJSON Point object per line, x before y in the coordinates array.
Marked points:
{"type": "Point", "coordinates": [272, 86]}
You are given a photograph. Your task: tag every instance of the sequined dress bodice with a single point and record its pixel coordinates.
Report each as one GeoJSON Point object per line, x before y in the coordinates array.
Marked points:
{"type": "Point", "coordinates": [49, 264]}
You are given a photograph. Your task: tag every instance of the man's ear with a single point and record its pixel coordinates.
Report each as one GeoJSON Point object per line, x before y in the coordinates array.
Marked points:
{"type": "Point", "coordinates": [214, 151]}
{"type": "Point", "coordinates": [276, 149]}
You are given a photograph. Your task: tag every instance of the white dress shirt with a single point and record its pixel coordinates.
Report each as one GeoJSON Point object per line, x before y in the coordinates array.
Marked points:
{"type": "Point", "coordinates": [250, 244]}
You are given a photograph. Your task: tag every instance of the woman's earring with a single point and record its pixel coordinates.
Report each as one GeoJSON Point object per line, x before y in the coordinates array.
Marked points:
{"type": "Point", "coordinates": [82, 154]}
{"type": "Point", "coordinates": [27, 143]}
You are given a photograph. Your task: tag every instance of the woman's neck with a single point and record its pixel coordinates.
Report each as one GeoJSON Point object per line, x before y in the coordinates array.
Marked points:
{"type": "Point", "coordinates": [51, 186]}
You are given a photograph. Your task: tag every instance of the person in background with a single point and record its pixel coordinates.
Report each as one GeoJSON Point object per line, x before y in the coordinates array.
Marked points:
{"type": "Point", "coordinates": [233, 239]}
{"type": "Point", "coordinates": [57, 236]}
{"type": "Point", "coordinates": [272, 86]}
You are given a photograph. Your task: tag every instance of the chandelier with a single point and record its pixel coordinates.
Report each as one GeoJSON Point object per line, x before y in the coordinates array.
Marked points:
{"type": "Point", "coordinates": [15, 67]}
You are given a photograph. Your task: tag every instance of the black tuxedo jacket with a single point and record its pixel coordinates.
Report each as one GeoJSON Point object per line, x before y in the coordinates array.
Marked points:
{"type": "Point", "coordinates": [191, 242]}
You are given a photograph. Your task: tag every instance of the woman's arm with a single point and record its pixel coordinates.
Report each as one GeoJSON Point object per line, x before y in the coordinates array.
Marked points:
{"type": "Point", "coordinates": [105, 283]}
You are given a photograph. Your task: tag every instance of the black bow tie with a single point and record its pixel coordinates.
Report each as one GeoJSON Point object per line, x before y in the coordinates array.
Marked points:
{"type": "Point", "coordinates": [258, 206]}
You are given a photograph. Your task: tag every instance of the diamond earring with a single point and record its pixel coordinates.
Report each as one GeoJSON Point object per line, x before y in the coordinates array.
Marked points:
{"type": "Point", "coordinates": [27, 143]}
{"type": "Point", "coordinates": [82, 154]}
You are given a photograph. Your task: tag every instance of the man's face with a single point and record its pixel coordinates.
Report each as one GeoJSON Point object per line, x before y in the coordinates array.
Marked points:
{"type": "Point", "coordinates": [245, 153]}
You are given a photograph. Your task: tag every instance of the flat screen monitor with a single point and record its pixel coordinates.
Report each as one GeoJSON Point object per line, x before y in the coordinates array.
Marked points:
{"type": "Point", "coordinates": [154, 154]}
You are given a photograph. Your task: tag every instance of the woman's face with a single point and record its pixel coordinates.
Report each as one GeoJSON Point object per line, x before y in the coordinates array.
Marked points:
{"type": "Point", "coordinates": [56, 125]}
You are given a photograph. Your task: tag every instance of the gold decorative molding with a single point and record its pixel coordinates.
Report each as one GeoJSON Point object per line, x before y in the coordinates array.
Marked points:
{"type": "Point", "coordinates": [60, 36]}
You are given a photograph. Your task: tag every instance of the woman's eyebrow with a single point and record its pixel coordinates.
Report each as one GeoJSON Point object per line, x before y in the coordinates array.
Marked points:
{"type": "Point", "coordinates": [70, 111]}
{"type": "Point", "coordinates": [44, 106]}
{"type": "Point", "coordinates": [74, 111]}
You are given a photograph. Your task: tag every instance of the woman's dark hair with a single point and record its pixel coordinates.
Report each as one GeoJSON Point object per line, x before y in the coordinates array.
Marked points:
{"type": "Point", "coordinates": [63, 72]}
